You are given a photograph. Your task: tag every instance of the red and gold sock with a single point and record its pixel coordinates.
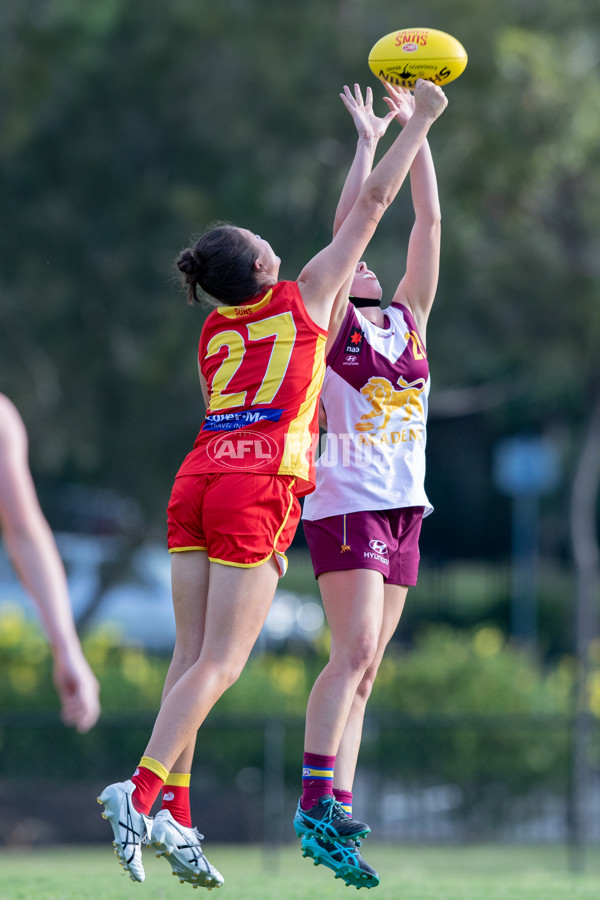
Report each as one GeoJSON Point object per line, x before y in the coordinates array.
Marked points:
{"type": "Point", "coordinates": [176, 797]}
{"type": "Point", "coordinates": [148, 778]}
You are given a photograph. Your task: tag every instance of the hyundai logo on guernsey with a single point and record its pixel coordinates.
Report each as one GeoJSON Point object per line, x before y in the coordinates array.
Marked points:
{"type": "Point", "coordinates": [243, 449]}
{"type": "Point", "coordinates": [378, 551]}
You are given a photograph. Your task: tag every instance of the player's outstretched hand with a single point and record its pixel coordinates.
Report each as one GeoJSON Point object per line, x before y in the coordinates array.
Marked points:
{"type": "Point", "coordinates": [78, 690]}
{"type": "Point", "coordinates": [369, 126]}
{"type": "Point", "coordinates": [400, 101]}
{"type": "Point", "coordinates": [430, 100]}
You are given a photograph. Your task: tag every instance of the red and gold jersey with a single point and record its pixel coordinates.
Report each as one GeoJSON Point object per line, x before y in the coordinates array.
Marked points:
{"type": "Point", "coordinates": [264, 364]}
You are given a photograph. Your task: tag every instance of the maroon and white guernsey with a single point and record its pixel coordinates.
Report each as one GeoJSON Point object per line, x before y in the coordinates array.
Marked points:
{"type": "Point", "coordinates": [375, 396]}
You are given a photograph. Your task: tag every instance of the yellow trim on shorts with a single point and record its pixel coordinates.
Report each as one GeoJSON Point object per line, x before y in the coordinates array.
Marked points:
{"type": "Point", "coordinates": [238, 565]}
{"type": "Point", "coordinates": [279, 553]}
{"type": "Point", "coordinates": [287, 515]}
{"type": "Point", "coordinates": [185, 549]}
{"type": "Point", "coordinates": [279, 556]}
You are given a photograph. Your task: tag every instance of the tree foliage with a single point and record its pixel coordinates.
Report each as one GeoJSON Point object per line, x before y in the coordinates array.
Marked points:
{"type": "Point", "coordinates": [129, 127]}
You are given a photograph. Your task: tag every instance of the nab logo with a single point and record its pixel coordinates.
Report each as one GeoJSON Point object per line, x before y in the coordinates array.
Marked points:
{"type": "Point", "coordinates": [242, 450]}
{"type": "Point", "coordinates": [378, 546]}
{"type": "Point", "coordinates": [354, 342]}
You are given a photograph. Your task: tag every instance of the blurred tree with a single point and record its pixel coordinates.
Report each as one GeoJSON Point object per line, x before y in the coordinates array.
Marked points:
{"type": "Point", "coordinates": [128, 127]}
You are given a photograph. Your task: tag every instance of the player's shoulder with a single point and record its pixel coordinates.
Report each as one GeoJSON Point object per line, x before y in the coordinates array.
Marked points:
{"type": "Point", "coordinates": [399, 308]}
{"type": "Point", "coordinates": [402, 312]}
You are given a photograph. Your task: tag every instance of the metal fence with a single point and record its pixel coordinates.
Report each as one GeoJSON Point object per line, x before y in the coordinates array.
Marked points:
{"type": "Point", "coordinates": [451, 779]}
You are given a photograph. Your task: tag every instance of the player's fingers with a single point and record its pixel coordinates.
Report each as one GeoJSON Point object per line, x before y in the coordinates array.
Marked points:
{"type": "Point", "coordinates": [86, 721]}
{"type": "Point", "coordinates": [348, 94]}
{"type": "Point", "coordinates": [80, 715]}
{"type": "Point", "coordinates": [393, 110]}
{"type": "Point", "coordinates": [392, 89]}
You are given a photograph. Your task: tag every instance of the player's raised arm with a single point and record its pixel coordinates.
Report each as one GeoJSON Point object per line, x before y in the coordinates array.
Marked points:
{"type": "Point", "coordinates": [325, 274]}
{"type": "Point", "coordinates": [418, 286]}
{"type": "Point", "coordinates": [370, 128]}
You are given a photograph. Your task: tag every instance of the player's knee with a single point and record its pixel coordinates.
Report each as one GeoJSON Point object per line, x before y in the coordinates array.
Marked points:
{"type": "Point", "coordinates": [185, 657]}
{"type": "Point", "coordinates": [229, 671]}
{"type": "Point", "coordinates": [366, 685]}
{"type": "Point", "coordinates": [359, 654]}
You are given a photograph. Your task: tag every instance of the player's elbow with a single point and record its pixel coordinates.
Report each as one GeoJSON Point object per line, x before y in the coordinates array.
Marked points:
{"type": "Point", "coordinates": [376, 201]}
{"type": "Point", "coordinates": [429, 216]}
{"type": "Point", "coordinates": [428, 228]}
{"type": "Point", "coordinates": [434, 224]}
{"type": "Point", "coordinates": [17, 532]}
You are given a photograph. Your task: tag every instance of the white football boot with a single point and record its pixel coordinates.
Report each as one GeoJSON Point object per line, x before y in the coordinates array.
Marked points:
{"type": "Point", "coordinates": [131, 828]}
{"type": "Point", "coordinates": [182, 849]}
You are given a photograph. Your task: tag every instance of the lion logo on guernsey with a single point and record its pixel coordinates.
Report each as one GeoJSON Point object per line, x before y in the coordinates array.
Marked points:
{"type": "Point", "coordinates": [384, 398]}
{"type": "Point", "coordinates": [242, 450]}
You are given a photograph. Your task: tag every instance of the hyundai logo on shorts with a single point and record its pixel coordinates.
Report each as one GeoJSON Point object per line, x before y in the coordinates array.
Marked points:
{"type": "Point", "coordinates": [378, 546]}
{"type": "Point", "coordinates": [242, 450]}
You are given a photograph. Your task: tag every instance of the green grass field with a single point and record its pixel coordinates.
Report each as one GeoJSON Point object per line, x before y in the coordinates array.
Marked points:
{"type": "Point", "coordinates": [407, 873]}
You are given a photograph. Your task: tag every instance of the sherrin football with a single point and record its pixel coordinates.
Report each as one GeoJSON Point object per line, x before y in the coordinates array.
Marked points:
{"type": "Point", "coordinates": [401, 57]}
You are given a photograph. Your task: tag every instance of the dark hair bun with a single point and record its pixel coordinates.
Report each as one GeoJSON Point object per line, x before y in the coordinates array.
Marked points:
{"type": "Point", "coordinates": [189, 264]}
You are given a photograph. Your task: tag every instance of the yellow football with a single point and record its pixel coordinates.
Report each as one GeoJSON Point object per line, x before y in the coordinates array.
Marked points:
{"type": "Point", "coordinates": [401, 57]}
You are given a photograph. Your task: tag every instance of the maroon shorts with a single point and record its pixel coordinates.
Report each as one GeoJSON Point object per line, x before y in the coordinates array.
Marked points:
{"type": "Point", "coordinates": [386, 540]}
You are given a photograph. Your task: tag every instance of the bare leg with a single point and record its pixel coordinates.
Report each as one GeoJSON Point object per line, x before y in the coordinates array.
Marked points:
{"type": "Point", "coordinates": [347, 756]}
{"type": "Point", "coordinates": [237, 604]}
{"type": "Point", "coordinates": [353, 602]}
{"type": "Point", "coordinates": [189, 583]}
